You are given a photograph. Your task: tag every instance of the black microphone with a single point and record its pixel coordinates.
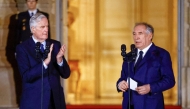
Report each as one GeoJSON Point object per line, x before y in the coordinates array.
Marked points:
{"type": "Point", "coordinates": [133, 52]}
{"type": "Point", "coordinates": [37, 49]}
{"type": "Point", "coordinates": [123, 47]}
{"type": "Point", "coordinates": [123, 51]}
{"type": "Point", "coordinates": [132, 47]}
{"type": "Point", "coordinates": [131, 56]}
{"type": "Point", "coordinates": [47, 50]}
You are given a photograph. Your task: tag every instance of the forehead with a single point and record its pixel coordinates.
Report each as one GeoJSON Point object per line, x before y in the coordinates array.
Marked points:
{"type": "Point", "coordinates": [139, 28]}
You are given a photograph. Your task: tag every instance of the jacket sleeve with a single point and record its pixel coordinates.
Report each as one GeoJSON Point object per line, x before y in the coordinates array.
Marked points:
{"type": "Point", "coordinates": [123, 76]}
{"type": "Point", "coordinates": [63, 70]}
{"type": "Point", "coordinates": [167, 80]}
{"type": "Point", "coordinates": [29, 73]}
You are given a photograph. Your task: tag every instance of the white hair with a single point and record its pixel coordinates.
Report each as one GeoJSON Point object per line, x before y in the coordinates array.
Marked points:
{"type": "Point", "coordinates": [35, 19]}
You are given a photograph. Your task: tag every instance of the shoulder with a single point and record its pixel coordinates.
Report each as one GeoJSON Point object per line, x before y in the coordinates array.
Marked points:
{"type": "Point", "coordinates": [52, 41]}
{"type": "Point", "coordinates": [23, 13]}
{"type": "Point", "coordinates": [160, 51]}
{"type": "Point", "coordinates": [23, 16]}
{"type": "Point", "coordinates": [21, 46]}
{"type": "Point", "coordinates": [46, 14]}
{"type": "Point", "coordinates": [25, 43]}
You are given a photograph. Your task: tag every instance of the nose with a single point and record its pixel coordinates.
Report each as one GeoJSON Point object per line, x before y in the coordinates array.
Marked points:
{"type": "Point", "coordinates": [135, 37]}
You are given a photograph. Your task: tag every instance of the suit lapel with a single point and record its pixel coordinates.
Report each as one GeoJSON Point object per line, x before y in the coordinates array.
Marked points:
{"type": "Point", "coordinates": [32, 49]}
{"type": "Point", "coordinates": [147, 56]}
{"type": "Point", "coordinates": [27, 15]}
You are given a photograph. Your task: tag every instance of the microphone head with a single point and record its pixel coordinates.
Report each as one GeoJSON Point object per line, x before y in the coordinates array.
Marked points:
{"type": "Point", "coordinates": [123, 50]}
{"type": "Point", "coordinates": [37, 49]}
{"type": "Point", "coordinates": [38, 44]}
{"type": "Point", "coordinates": [123, 47]}
{"type": "Point", "coordinates": [133, 52]}
{"type": "Point", "coordinates": [132, 47]}
{"type": "Point", "coordinates": [47, 50]}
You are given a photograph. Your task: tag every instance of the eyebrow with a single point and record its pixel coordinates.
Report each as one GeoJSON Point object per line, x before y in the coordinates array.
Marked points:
{"type": "Point", "coordinates": [137, 32]}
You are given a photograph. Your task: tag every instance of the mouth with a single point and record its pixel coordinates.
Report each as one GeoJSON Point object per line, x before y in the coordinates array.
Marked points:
{"type": "Point", "coordinates": [137, 42]}
{"type": "Point", "coordinates": [45, 34]}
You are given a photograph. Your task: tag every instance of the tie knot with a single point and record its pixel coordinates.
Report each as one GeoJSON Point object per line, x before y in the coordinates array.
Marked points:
{"type": "Point", "coordinates": [32, 14]}
{"type": "Point", "coordinates": [141, 52]}
{"type": "Point", "coordinates": [139, 58]}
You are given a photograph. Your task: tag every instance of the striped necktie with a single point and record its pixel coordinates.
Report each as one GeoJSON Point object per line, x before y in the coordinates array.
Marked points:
{"type": "Point", "coordinates": [139, 59]}
{"type": "Point", "coordinates": [42, 48]}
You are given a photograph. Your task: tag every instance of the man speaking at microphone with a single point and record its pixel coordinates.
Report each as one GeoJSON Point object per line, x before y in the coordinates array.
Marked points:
{"type": "Point", "coordinates": [152, 71]}
{"type": "Point", "coordinates": [41, 88]}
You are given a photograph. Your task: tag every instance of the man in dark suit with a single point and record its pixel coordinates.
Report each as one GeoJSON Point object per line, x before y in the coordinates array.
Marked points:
{"type": "Point", "coordinates": [153, 73]}
{"type": "Point", "coordinates": [23, 28]}
{"type": "Point", "coordinates": [41, 62]}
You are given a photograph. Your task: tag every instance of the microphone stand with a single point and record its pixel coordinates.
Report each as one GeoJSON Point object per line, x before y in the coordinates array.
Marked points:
{"type": "Point", "coordinates": [129, 90]}
{"type": "Point", "coordinates": [43, 57]}
{"type": "Point", "coordinates": [129, 57]}
{"type": "Point", "coordinates": [128, 78]}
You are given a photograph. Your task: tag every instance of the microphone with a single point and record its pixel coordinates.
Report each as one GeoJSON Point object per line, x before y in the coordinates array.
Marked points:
{"type": "Point", "coordinates": [133, 52]}
{"type": "Point", "coordinates": [37, 49]}
{"type": "Point", "coordinates": [131, 56]}
{"type": "Point", "coordinates": [123, 51]}
{"type": "Point", "coordinates": [47, 50]}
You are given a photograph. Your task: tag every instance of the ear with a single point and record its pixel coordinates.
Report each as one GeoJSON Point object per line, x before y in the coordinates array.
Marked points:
{"type": "Point", "coordinates": [150, 36]}
{"type": "Point", "coordinates": [33, 29]}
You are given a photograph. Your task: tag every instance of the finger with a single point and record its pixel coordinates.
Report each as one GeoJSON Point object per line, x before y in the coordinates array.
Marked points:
{"type": "Point", "coordinates": [51, 47]}
{"type": "Point", "coordinates": [122, 89]}
{"type": "Point", "coordinates": [63, 48]}
{"type": "Point", "coordinates": [126, 84]}
{"type": "Point", "coordinates": [138, 89]}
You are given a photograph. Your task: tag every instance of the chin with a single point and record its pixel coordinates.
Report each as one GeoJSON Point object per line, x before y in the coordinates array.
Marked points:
{"type": "Point", "coordinates": [137, 45]}
{"type": "Point", "coordinates": [45, 37]}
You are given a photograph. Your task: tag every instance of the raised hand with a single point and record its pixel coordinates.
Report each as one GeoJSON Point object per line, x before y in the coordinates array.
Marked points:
{"type": "Point", "coordinates": [48, 59]}
{"type": "Point", "coordinates": [61, 54]}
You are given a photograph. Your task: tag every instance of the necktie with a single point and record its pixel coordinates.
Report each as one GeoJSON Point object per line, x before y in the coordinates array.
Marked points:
{"type": "Point", "coordinates": [139, 59]}
{"type": "Point", "coordinates": [42, 48]}
{"type": "Point", "coordinates": [31, 14]}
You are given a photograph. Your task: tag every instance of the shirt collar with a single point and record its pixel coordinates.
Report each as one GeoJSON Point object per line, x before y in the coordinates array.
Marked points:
{"type": "Point", "coordinates": [44, 42]}
{"type": "Point", "coordinates": [145, 49]}
{"type": "Point", "coordinates": [32, 11]}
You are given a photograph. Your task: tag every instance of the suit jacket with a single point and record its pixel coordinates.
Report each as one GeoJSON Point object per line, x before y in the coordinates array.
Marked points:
{"type": "Point", "coordinates": [31, 70]}
{"type": "Point", "coordinates": [154, 69]}
{"type": "Point", "coordinates": [23, 26]}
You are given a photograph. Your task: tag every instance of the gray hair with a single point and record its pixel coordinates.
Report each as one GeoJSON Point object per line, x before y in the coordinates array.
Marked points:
{"type": "Point", "coordinates": [149, 28]}
{"type": "Point", "coordinates": [35, 19]}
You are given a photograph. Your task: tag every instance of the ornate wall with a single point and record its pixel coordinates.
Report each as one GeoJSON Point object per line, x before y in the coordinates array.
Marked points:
{"type": "Point", "coordinates": [7, 61]}
{"type": "Point", "coordinates": [97, 31]}
{"type": "Point", "coordinates": [99, 28]}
